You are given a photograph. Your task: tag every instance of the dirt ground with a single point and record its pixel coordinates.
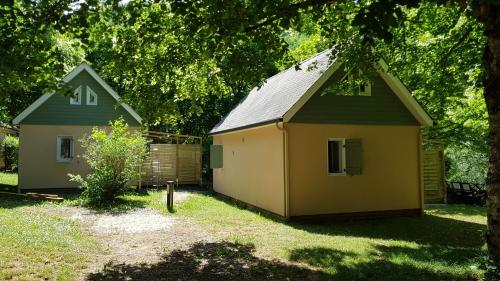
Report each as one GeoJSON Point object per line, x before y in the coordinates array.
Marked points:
{"type": "Point", "coordinates": [139, 236]}
{"type": "Point", "coordinates": [143, 244]}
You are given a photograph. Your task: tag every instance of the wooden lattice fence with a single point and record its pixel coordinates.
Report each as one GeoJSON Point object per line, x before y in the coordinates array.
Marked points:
{"type": "Point", "coordinates": [172, 158]}
{"type": "Point", "coordinates": [434, 173]}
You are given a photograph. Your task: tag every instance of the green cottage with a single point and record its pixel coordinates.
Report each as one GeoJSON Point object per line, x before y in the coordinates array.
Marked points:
{"type": "Point", "coordinates": [49, 129]}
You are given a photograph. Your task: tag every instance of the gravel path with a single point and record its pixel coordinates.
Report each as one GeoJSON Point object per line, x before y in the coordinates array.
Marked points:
{"type": "Point", "coordinates": [139, 236]}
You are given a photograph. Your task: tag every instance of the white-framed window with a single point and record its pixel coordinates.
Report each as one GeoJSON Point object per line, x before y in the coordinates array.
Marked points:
{"type": "Point", "coordinates": [336, 162]}
{"type": "Point", "coordinates": [363, 89]}
{"type": "Point", "coordinates": [91, 97]}
{"type": "Point", "coordinates": [76, 99]}
{"type": "Point", "coordinates": [65, 148]}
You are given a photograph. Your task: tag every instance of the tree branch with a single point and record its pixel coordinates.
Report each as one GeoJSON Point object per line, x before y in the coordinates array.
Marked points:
{"type": "Point", "coordinates": [292, 8]}
{"type": "Point", "coordinates": [461, 40]}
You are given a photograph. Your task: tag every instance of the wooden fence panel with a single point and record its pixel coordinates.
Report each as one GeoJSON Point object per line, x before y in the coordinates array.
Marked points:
{"type": "Point", "coordinates": [161, 165]}
{"type": "Point", "coordinates": [434, 178]}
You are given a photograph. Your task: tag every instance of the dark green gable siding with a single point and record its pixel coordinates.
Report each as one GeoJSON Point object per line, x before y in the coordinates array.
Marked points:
{"type": "Point", "coordinates": [383, 107]}
{"type": "Point", "coordinates": [58, 111]}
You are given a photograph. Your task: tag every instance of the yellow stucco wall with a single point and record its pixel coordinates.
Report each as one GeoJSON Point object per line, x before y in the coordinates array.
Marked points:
{"type": "Point", "coordinates": [38, 167]}
{"type": "Point", "coordinates": [252, 167]}
{"type": "Point", "coordinates": [390, 179]}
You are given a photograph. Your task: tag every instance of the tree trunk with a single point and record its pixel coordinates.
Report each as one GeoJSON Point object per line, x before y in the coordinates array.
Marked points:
{"type": "Point", "coordinates": [489, 16]}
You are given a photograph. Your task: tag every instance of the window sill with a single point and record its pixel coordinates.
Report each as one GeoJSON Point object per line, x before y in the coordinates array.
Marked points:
{"type": "Point", "coordinates": [337, 174]}
{"type": "Point", "coordinates": [68, 160]}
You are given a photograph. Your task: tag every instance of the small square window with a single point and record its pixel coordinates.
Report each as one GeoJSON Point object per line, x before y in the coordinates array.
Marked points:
{"type": "Point", "coordinates": [76, 99]}
{"type": "Point", "coordinates": [336, 156]}
{"type": "Point", "coordinates": [64, 148]}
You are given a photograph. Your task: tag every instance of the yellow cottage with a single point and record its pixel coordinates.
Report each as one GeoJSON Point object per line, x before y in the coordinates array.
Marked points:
{"type": "Point", "coordinates": [304, 146]}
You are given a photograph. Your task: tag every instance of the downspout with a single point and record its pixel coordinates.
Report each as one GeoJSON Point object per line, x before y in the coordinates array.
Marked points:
{"type": "Point", "coordinates": [421, 171]}
{"type": "Point", "coordinates": [285, 168]}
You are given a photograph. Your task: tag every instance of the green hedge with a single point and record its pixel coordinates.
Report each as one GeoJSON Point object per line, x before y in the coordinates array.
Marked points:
{"type": "Point", "coordinates": [10, 148]}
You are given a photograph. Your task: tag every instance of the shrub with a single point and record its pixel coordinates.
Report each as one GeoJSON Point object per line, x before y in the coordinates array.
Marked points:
{"type": "Point", "coordinates": [10, 147]}
{"type": "Point", "coordinates": [114, 158]}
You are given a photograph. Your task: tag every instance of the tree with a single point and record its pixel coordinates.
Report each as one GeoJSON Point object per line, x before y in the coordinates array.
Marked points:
{"type": "Point", "coordinates": [356, 28]}
{"type": "Point", "coordinates": [37, 49]}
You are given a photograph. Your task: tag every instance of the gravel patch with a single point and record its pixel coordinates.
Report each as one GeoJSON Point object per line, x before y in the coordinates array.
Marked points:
{"type": "Point", "coordinates": [132, 222]}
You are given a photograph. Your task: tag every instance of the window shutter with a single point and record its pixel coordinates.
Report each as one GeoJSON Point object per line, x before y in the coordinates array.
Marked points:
{"type": "Point", "coordinates": [354, 156]}
{"type": "Point", "coordinates": [215, 156]}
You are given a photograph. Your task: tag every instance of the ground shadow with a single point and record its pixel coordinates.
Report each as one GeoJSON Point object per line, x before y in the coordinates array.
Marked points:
{"type": "Point", "coordinates": [427, 230]}
{"type": "Point", "coordinates": [378, 265]}
{"type": "Point", "coordinates": [210, 261]}
{"type": "Point", "coordinates": [8, 188]}
{"type": "Point", "coordinates": [233, 261]}
{"type": "Point", "coordinates": [15, 201]}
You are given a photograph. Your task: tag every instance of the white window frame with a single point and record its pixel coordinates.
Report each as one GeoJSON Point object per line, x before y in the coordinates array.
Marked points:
{"type": "Point", "coordinates": [89, 93]}
{"type": "Point", "coordinates": [342, 161]}
{"type": "Point", "coordinates": [368, 86]}
{"type": "Point", "coordinates": [58, 150]}
{"type": "Point", "coordinates": [77, 99]}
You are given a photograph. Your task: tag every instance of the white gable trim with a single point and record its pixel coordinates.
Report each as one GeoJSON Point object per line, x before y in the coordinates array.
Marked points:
{"type": "Point", "coordinates": [394, 83]}
{"type": "Point", "coordinates": [68, 78]}
{"type": "Point", "coordinates": [31, 108]}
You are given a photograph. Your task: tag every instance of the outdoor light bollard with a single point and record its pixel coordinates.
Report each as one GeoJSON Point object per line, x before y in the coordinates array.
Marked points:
{"type": "Point", "coordinates": [170, 194]}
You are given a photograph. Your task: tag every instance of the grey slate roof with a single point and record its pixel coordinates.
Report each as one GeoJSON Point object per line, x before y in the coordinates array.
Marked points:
{"type": "Point", "coordinates": [276, 96]}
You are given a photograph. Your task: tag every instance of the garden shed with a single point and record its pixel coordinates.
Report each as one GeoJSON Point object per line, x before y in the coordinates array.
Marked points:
{"type": "Point", "coordinates": [304, 146]}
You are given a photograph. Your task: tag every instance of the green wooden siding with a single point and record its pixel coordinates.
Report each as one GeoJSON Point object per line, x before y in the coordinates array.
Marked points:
{"type": "Point", "coordinates": [216, 159]}
{"type": "Point", "coordinates": [383, 107]}
{"type": "Point", "coordinates": [57, 110]}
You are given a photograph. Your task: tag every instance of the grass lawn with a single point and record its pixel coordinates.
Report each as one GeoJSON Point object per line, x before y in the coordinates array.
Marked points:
{"type": "Point", "coordinates": [445, 244]}
{"type": "Point", "coordinates": [8, 182]}
{"type": "Point", "coordinates": [36, 246]}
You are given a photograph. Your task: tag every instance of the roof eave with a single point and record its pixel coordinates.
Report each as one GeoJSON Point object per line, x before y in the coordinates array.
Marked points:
{"type": "Point", "coordinates": [250, 126]}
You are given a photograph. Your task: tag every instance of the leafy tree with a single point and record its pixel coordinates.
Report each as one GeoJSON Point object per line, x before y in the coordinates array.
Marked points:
{"type": "Point", "coordinates": [114, 158]}
{"type": "Point", "coordinates": [161, 70]}
{"type": "Point", "coordinates": [356, 29]}
{"type": "Point", "coordinates": [37, 49]}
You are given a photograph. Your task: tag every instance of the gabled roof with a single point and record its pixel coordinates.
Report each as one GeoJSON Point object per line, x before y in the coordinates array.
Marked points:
{"type": "Point", "coordinates": [66, 79]}
{"type": "Point", "coordinates": [282, 95]}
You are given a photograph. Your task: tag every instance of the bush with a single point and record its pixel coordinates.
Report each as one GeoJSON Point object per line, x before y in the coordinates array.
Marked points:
{"type": "Point", "coordinates": [10, 147]}
{"type": "Point", "coordinates": [114, 158]}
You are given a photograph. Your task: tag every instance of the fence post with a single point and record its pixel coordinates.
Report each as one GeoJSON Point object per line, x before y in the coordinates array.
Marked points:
{"type": "Point", "coordinates": [170, 195]}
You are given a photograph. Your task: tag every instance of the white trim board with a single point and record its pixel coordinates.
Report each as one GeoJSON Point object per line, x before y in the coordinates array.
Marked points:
{"type": "Point", "coordinates": [68, 78]}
